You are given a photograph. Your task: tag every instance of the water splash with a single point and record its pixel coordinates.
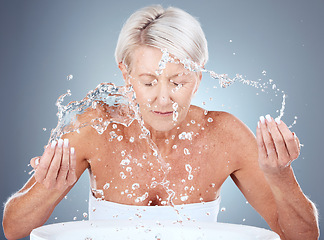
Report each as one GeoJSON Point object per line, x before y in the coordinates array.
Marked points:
{"type": "Point", "coordinates": [117, 98]}
{"type": "Point", "coordinates": [223, 79]}
{"type": "Point", "coordinates": [124, 110]}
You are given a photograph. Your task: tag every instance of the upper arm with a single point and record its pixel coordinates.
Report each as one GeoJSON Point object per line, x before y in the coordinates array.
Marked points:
{"type": "Point", "coordinates": [248, 176]}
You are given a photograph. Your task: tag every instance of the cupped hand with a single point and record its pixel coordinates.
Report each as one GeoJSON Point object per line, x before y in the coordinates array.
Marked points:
{"type": "Point", "coordinates": [56, 167]}
{"type": "Point", "coordinates": [277, 146]}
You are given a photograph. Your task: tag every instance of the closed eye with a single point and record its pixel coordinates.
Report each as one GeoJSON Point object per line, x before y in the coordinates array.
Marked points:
{"type": "Point", "coordinates": [154, 82]}
{"type": "Point", "coordinates": [175, 83]}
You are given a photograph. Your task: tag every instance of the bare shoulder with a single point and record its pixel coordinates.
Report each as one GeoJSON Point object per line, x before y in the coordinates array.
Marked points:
{"type": "Point", "coordinates": [227, 130]}
{"type": "Point", "coordinates": [222, 121]}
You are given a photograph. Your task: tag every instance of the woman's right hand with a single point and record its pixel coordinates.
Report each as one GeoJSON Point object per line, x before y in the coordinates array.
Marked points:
{"type": "Point", "coordinates": [55, 169]}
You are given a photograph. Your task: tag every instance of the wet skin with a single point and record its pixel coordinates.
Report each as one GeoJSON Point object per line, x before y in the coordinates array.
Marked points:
{"type": "Point", "coordinates": [260, 167]}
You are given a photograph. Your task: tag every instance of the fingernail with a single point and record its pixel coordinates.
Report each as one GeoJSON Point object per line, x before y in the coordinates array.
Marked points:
{"type": "Point", "coordinates": [72, 150]}
{"type": "Point", "coordinates": [268, 118]}
{"type": "Point", "coordinates": [53, 144]}
{"type": "Point", "coordinates": [258, 124]}
{"type": "Point", "coordinates": [66, 142]}
{"type": "Point", "coordinates": [278, 120]}
{"type": "Point", "coordinates": [262, 119]}
{"type": "Point", "coordinates": [36, 161]}
{"type": "Point", "coordinates": [294, 135]}
{"type": "Point", "coordinates": [60, 142]}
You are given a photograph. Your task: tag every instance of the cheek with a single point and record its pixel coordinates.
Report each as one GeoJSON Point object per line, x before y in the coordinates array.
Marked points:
{"type": "Point", "coordinates": [185, 93]}
{"type": "Point", "coordinates": [143, 97]}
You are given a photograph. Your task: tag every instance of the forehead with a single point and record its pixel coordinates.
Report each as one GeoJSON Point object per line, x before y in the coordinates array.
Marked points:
{"type": "Point", "coordinates": [147, 59]}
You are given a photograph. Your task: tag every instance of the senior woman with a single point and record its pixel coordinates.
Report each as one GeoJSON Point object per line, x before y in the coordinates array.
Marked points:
{"type": "Point", "coordinates": [129, 180]}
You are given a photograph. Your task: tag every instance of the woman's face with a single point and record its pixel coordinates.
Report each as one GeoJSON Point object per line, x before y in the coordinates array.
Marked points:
{"type": "Point", "coordinates": [164, 99]}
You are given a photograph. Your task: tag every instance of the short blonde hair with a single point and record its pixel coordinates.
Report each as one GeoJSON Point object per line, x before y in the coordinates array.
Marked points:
{"type": "Point", "coordinates": [172, 29]}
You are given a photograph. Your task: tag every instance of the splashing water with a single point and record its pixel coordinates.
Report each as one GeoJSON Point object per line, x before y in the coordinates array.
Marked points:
{"type": "Point", "coordinates": [223, 79]}
{"type": "Point", "coordinates": [124, 110]}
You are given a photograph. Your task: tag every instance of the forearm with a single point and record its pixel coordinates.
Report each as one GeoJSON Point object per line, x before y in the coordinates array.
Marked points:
{"type": "Point", "coordinates": [297, 215]}
{"type": "Point", "coordinates": [28, 210]}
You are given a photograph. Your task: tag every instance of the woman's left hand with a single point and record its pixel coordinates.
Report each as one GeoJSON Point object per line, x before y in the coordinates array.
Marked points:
{"type": "Point", "coordinates": [277, 146]}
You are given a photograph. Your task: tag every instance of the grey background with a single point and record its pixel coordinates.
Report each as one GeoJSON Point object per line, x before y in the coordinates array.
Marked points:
{"type": "Point", "coordinates": [43, 41]}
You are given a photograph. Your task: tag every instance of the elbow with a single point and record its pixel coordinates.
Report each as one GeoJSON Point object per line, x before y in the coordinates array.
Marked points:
{"type": "Point", "coordinates": [11, 234]}
{"type": "Point", "coordinates": [10, 230]}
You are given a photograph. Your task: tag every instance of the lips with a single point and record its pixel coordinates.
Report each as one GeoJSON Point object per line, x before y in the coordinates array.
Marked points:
{"type": "Point", "coordinates": [163, 113]}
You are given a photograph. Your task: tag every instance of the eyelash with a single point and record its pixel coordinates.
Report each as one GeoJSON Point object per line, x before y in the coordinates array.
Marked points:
{"type": "Point", "coordinates": [150, 84]}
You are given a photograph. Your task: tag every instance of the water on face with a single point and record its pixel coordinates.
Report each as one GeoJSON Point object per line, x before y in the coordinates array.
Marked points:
{"type": "Point", "coordinates": [123, 100]}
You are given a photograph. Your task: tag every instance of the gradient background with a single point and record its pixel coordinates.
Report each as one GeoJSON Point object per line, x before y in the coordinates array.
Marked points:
{"type": "Point", "coordinates": [43, 41]}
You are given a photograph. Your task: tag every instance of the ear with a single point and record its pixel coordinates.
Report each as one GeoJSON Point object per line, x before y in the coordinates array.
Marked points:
{"type": "Point", "coordinates": [198, 82]}
{"type": "Point", "coordinates": [123, 69]}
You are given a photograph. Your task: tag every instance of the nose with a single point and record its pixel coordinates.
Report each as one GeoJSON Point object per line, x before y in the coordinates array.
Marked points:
{"type": "Point", "coordinates": [163, 94]}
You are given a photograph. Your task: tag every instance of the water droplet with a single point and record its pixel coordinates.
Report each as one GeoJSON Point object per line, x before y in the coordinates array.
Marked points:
{"type": "Point", "coordinates": [135, 186]}
{"type": "Point", "coordinates": [69, 77]}
{"type": "Point", "coordinates": [122, 175]}
{"type": "Point", "coordinates": [120, 137]}
{"type": "Point", "coordinates": [184, 198]}
{"type": "Point", "coordinates": [223, 209]}
{"type": "Point", "coordinates": [106, 186]}
{"type": "Point", "coordinates": [141, 198]}
{"type": "Point", "coordinates": [186, 151]}
{"type": "Point", "coordinates": [210, 119]}
{"type": "Point", "coordinates": [85, 215]}
{"type": "Point", "coordinates": [125, 162]}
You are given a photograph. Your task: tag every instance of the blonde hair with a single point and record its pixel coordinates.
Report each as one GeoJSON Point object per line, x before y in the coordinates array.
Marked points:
{"type": "Point", "coordinates": [172, 29]}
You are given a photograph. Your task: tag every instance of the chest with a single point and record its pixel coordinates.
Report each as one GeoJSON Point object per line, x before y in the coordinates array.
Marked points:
{"type": "Point", "coordinates": [130, 172]}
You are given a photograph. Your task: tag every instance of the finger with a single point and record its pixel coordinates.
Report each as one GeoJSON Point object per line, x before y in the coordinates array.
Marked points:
{"type": "Point", "coordinates": [45, 162]}
{"type": "Point", "coordinates": [261, 148]}
{"type": "Point", "coordinates": [50, 179]}
{"type": "Point", "coordinates": [297, 142]}
{"type": "Point", "coordinates": [279, 142]}
{"type": "Point", "coordinates": [34, 162]}
{"type": "Point", "coordinates": [64, 168]}
{"type": "Point", "coordinates": [71, 178]}
{"type": "Point", "coordinates": [267, 139]}
{"type": "Point", "coordinates": [288, 136]}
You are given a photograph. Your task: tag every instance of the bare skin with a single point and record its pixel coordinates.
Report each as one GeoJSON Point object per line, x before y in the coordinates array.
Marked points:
{"type": "Point", "coordinates": [259, 166]}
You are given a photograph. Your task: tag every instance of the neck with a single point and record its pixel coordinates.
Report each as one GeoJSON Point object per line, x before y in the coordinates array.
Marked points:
{"type": "Point", "coordinates": [165, 140]}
